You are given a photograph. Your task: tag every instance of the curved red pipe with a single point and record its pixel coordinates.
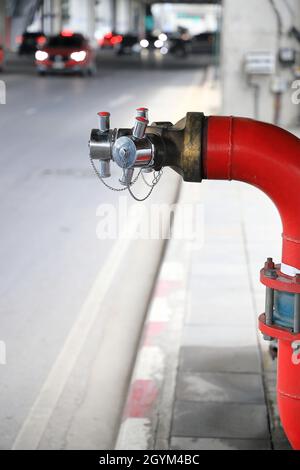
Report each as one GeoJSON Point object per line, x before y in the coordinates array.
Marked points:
{"type": "Point", "coordinates": [264, 156]}
{"type": "Point", "coordinates": [268, 158]}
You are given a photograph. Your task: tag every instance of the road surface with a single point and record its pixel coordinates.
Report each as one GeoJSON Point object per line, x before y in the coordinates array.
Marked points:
{"type": "Point", "coordinates": [50, 255]}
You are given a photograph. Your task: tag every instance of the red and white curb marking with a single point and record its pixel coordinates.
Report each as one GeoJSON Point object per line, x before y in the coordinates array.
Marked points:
{"type": "Point", "coordinates": [140, 414]}
{"type": "Point", "coordinates": [148, 412]}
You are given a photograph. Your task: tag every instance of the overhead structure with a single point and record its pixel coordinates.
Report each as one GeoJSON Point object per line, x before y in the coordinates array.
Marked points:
{"type": "Point", "coordinates": [195, 2]}
{"type": "Point", "coordinates": [23, 11]}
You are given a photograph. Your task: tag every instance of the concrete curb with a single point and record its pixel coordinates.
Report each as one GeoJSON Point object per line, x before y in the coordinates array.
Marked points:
{"type": "Point", "coordinates": [102, 351]}
{"type": "Point", "coordinates": [146, 421]}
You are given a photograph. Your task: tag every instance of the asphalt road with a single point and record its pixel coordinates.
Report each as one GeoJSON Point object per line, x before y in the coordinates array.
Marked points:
{"type": "Point", "coordinates": [49, 251]}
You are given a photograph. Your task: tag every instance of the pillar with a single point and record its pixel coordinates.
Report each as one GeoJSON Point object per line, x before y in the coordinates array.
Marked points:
{"type": "Point", "coordinates": [82, 17]}
{"type": "Point", "coordinates": [2, 23]}
{"type": "Point", "coordinates": [254, 27]}
{"type": "Point", "coordinates": [124, 16]}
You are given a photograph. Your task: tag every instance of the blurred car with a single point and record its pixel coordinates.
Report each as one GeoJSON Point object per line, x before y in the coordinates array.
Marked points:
{"type": "Point", "coordinates": [66, 52]}
{"type": "Point", "coordinates": [31, 42]}
{"type": "Point", "coordinates": [204, 43]}
{"type": "Point", "coordinates": [166, 44]}
{"type": "Point", "coordinates": [159, 43]}
{"type": "Point", "coordinates": [1, 58]}
{"type": "Point", "coordinates": [153, 42]}
{"type": "Point", "coordinates": [128, 45]}
{"type": "Point", "coordinates": [109, 40]}
{"type": "Point", "coordinates": [179, 47]}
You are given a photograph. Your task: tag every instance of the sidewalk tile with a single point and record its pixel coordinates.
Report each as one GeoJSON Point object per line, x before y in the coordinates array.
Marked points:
{"type": "Point", "coordinates": [186, 443]}
{"type": "Point", "coordinates": [212, 312]}
{"type": "Point", "coordinates": [220, 336]}
{"type": "Point", "coordinates": [201, 419]}
{"type": "Point", "coordinates": [215, 359]}
{"type": "Point", "coordinates": [220, 387]}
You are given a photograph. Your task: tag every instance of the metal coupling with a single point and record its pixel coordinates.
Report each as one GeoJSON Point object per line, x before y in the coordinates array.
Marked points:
{"type": "Point", "coordinates": [150, 147]}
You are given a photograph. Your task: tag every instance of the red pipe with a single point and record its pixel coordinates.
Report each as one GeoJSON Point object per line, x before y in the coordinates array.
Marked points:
{"type": "Point", "coordinates": [264, 156]}
{"type": "Point", "coordinates": [268, 158]}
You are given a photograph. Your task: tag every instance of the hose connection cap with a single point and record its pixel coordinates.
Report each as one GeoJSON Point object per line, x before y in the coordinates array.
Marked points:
{"type": "Point", "coordinates": [104, 121]}
{"type": "Point", "coordinates": [139, 127]}
{"type": "Point", "coordinates": [143, 112]}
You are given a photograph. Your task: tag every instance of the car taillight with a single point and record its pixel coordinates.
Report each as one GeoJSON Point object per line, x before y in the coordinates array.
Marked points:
{"type": "Point", "coordinates": [41, 40]}
{"type": "Point", "coordinates": [67, 33]}
{"type": "Point", "coordinates": [116, 39]}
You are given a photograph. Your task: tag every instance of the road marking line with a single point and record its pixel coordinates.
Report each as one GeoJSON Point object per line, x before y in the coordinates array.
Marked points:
{"type": "Point", "coordinates": [160, 310]}
{"type": "Point", "coordinates": [143, 393]}
{"type": "Point", "coordinates": [119, 101]}
{"type": "Point", "coordinates": [35, 424]}
{"type": "Point", "coordinates": [150, 365]}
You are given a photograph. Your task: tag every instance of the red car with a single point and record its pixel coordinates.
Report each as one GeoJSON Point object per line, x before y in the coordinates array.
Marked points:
{"type": "Point", "coordinates": [1, 58]}
{"type": "Point", "coordinates": [66, 52]}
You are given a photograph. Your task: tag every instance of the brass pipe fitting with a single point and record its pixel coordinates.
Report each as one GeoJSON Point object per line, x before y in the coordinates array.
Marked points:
{"type": "Point", "coordinates": [179, 146]}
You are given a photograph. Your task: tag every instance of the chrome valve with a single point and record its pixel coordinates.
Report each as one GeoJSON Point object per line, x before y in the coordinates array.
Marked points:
{"type": "Point", "coordinates": [145, 149]}
{"type": "Point", "coordinates": [100, 144]}
{"type": "Point", "coordinates": [133, 151]}
{"type": "Point", "coordinates": [129, 149]}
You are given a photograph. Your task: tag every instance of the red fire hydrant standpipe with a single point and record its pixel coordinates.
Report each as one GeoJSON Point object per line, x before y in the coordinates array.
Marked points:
{"type": "Point", "coordinates": [268, 158]}
{"type": "Point", "coordinates": [227, 148]}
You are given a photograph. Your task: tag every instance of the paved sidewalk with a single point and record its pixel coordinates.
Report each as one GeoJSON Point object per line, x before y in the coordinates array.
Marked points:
{"type": "Point", "coordinates": [225, 387]}
{"type": "Point", "coordinates": [204, 378]}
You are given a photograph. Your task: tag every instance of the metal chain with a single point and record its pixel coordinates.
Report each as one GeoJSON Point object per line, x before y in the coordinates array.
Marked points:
{"type": "Point", "coordinates": [102, 180]}
{"type": "Point", "coordinates": [156, 178]}
{"type": "Point", "coordinates": [146, 182]}
{"type": "Point", "coordinates": [154, 183]}
{"type": "Point", "coordinates": [107, 185]}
